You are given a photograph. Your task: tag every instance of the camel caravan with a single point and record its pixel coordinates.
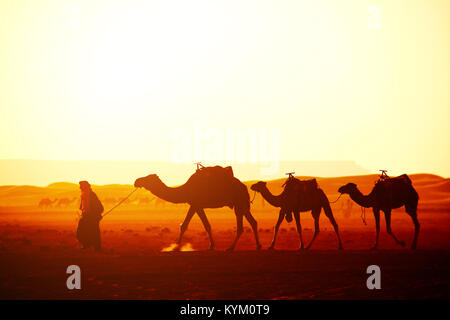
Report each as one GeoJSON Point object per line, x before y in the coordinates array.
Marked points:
{"type": "Point", "coordinates": [216, 187]}
{"type": "Point", "coordinates": [63, 202]}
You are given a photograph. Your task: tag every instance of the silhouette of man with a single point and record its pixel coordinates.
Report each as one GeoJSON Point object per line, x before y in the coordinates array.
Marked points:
{"type": "Point", "coordinates": [88, 232]}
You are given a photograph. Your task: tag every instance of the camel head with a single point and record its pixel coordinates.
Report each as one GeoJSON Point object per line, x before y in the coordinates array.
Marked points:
{"type": "Point", "coordinates": [146, 181]}
{"type": "Point", "coordinates": [348, 188]}
{"type": "Point", "coordinates": [259, 186]}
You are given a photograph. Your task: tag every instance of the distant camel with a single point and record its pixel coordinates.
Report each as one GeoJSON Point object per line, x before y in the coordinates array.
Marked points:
{"type": "Point", "coordinates": [347, 208]}
{"type": "Point", "coordinates": [144, 201]}
{"type": "Point", "coordinates": [109, 200]}
{"type": "Point", "coordinates": [304, 196]}
{"type": "Point", "coordinates": [125, 200]}
{"type": "Point", "coordinates": [65, 202]}
{"type": "Point", "coordinates": [160, 202]}
{"type": "Point", "coordinates": [263, 203]}
{"type": "Point", "coordinates": [46, 203]}
{"type": "Point", "coordinates": [388, 194]}
{"type": "Point", "coordinates": [209, 187]}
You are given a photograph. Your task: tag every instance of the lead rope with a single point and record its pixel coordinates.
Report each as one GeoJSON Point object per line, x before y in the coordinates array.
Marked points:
{"type": "Point", "coordinates": [337, 198]}
{"type": "Point", "coordinates": [120, 202]}
{"type": "Point", "coordinates": [363, 210]}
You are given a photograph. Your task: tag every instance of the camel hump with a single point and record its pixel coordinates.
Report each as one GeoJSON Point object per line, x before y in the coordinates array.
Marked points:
{"type": "Point", "coordinates": [214, 185]}
{"type": "Point", "coordinates": [216, 172]}
{"type": "Point", "coordinates": [300, 187]}
{"type": "Point", "coordinates": [405, 178]}
{"type": "Point", "coordinates": [400, 179]}
{"type": "Point", "coordinates": [312, 183]}
{"type": "Point", "coordinates": [307, 185]}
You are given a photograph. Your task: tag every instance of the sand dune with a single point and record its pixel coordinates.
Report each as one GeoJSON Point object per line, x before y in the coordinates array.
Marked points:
{"type": "Point", "coordinates": [37, 243]}
{"type": "Point", "coordinates": [431, 188]}
{"type": "Point", "coordinates": [442, 186]}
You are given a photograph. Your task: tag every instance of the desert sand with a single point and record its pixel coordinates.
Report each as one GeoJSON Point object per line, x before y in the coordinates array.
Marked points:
{"type": "Point", "coordinates": [38, 243]}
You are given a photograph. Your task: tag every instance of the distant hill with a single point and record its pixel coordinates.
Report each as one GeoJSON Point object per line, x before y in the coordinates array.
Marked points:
{"type": "Point", "coordinates": [46, 172]}
{"type": "Point", "coordinates": [63, 185]}
{"type": "Point", "coordinates": [432, 189]}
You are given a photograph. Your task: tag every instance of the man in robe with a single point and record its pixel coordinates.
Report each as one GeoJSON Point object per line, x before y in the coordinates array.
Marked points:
{"type": "Point", "coordinates": [88, 232]}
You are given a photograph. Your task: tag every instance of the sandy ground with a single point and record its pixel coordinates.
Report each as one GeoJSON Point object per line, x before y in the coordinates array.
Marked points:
{"type": "Point", "coordinates": [36, 248]}
{"type": "Point", "coordinates": [37, 244]}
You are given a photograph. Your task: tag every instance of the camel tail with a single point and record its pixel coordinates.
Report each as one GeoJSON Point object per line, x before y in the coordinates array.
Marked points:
{"type": "Point", "coordinates": [325, 202]}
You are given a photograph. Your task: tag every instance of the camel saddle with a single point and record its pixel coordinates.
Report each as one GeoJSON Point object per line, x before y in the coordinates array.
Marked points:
{"type": "Point", "coordinates": [400, 179]}
{"type": "Point", "coordinates": [386, 185]}
{"type": "Point", "coordinates": [296, 189]}
{"type": "Point", "coordinates": [217, 172]}
{"type": "Point", "coordinates": [215, 183]}
{"type": "Point", "coordinates": [302, 186]}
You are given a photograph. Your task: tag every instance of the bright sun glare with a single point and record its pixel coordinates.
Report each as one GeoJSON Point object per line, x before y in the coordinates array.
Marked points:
{"type": "Point", "coordinates": [124, 75]}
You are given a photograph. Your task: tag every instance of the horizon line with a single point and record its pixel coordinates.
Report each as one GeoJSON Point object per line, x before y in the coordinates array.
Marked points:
{"type": "Point", "coordinates": [244, 181]}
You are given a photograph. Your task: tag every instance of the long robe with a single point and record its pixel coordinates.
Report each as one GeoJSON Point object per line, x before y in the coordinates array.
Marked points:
{"type": "Point", "coordinates": [88, 231]}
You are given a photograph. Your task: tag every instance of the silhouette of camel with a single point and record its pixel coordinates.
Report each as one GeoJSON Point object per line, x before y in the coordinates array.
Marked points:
{"type": "Point", "coordinates": [208, 187]}
{"type": "Point", "coordinates": [159, 202]}
{"type": "Point", "coordinates": [388, 194]}
{"type": "Point", "coordinates": [298, 196]}
{"type": "Point", "coordinates": [109, 200]}
{"type": "Point", "coordinates": [144, 201]}
{"type": "Point", "coordinates": [46, 203]}
{"type": "Point", "coordinates": [65, 202]}
{"type": "Point", "coordinates": [347, 208]}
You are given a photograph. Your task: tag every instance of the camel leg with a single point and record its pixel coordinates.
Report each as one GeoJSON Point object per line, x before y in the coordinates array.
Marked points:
{"type": "Point", "coordinates": [185, 223]}
{"type": "Point", "coordinates": [376, 213]}
{"type": "Point", "coordinates": [254, 226]}
{"type": "Point", "coordinates": [202, 215]}
{"type": "Point", "coordinates": [412, 211]}
{"type": "Point", "coordinates": [239, 229]}
{"type": "Point", "coordinates": [316, 215]}
{"type": "Point", "coordinates": [299, 228]}
{"type": "Point", "coordinates": [330, 216]}
{"type": "Point", "coordinates": [387, 216]}
{"type": "Point", "coordinates": [275, 229]}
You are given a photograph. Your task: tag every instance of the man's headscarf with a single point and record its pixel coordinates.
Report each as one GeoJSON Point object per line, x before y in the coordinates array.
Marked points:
{"type": "Point", "coordinates": [85, 193]}
{"type": "Point", "coordinates": [84, 185]}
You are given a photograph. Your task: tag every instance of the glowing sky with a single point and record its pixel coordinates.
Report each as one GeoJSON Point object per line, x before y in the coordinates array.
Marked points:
{"type": "Point", "coordinates": [115, 79]}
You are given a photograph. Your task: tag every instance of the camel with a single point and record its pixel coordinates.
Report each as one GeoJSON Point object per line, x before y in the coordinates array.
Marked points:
{"type": "Point", "coordinates": [109, 200]}
{"type": "Point", "coordinates": [388, 194]}
{"type": "Point", "coordinates": [46, 203]}
{"type": "Point", "coordinates": [144, 201]}
{"type": "Point", "coordinates": [125, 200]}
{"type": "Point", "coordinates": [347, 208]}
{"type": "Point", "coordinates": [65, 202]}
{"type": "Point", "coordinates": [298, 196]}
{"type": "Point", "coordinates": [159, 202]}
{"type": "Point", "coordinates": [208, 187]}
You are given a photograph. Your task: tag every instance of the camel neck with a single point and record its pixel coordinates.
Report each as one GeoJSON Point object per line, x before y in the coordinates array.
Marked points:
{"type": "Point", "coordinates": [270, 198]}
{"type": "Point", "coordinates": [363, 200]}
{"type": "Point", "coordinates": [174, 195]}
